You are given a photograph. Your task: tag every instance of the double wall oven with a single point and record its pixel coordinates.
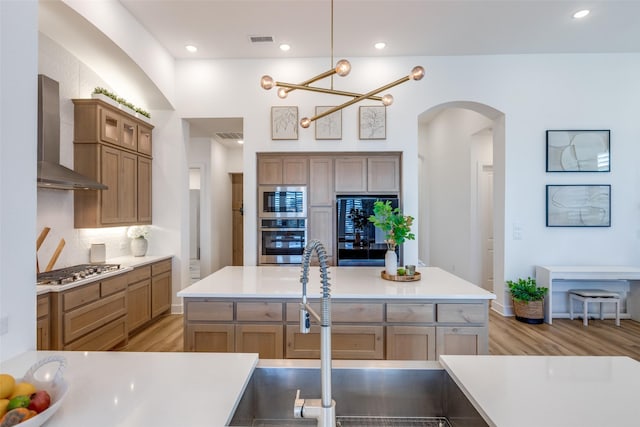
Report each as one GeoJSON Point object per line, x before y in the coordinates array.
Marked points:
{"type": "Point", "coordinates": [282, 218]}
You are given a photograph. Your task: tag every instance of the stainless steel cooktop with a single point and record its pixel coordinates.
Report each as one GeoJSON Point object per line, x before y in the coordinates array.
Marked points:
{"type": "Point", "coordinates": [74, 273]}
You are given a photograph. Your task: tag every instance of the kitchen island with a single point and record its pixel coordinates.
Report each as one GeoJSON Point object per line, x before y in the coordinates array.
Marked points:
{"type": "Point", "coordinates": [256, 309]}
{"type": "Point", "coordinates": [109, 389]}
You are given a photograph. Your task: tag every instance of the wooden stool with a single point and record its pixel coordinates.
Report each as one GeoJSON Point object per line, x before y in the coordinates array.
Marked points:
{"type": "Point", "coordinates": [593, 295]}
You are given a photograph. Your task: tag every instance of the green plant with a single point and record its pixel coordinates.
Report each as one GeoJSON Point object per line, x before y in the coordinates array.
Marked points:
{"type": "Point", "coordinates": [119, 100]}
{"type": "Point", "coordinates": [526, 290]}
{"type": "Point", "coordinates": [395, 225]}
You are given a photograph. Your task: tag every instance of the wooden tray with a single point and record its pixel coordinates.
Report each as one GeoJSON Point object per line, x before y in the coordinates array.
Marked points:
{"type": "Point", "coordinates": [413, 278]}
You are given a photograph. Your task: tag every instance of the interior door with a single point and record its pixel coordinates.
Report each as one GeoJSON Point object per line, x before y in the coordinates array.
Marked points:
{"type": "Point", "coordinates": [237, 219]}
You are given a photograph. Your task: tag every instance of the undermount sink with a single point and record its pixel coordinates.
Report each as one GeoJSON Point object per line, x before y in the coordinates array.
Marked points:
{"type": "Point", "coordinates": [366, 394]}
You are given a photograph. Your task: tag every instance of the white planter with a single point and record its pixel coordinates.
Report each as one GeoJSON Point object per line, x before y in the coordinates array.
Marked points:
{"type": "Point", "coordinates": [119, 106]}
{"type": "Point", "coordinates": [139, 246]}
{"type": "Point", "coordinates": [391, 263]}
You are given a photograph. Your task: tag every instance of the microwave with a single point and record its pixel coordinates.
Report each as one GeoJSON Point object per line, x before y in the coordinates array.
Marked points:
{"type": "Point", "coordinates": [282, 202]}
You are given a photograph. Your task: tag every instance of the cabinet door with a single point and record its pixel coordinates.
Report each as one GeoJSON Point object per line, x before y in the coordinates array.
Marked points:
{"type": "Point", "coordinates": [128, 188]}
{"type": "Point", "coordinates": [209, 337]}
{"type": "Point", "coordinates": [266, 340]}
{"type": "Point", "coordinates": [351, 174]}
{"type": "Point", "coordinates": [462, 340]}
{"type": "Point", "coordinates": [43, 340]}
{"type": "Point", "coordinates": [294, 171]}
{"type": "Point", "coordinates": [139, 304]}
{"type": "Point", "coordinates": [129, 134]}
{"type": "Point", "coordinates": [321, 181]}
{"type": "Point", "coordinates": [144, 140]}
{"type": "Point", "coordinates": [321, 227]}
{"type": "Point", "coordinates": [270, 171]}
{"type": "Point", "coordinates": [109, 171]}
{"type": "Point", "coordinates": [110, 126]}
{"type": "Point", "coordinates": [144, 190]}
{"type": "Point", "coordinates": [160, 294]}
{"type": "Point", "coordinates": [411, 343]}
{"type": "Point", "coordinates": [383, 174]}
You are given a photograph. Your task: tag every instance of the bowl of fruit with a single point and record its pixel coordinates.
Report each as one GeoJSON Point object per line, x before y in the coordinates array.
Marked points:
{"type": "Point", "coordinates": [31, 400]}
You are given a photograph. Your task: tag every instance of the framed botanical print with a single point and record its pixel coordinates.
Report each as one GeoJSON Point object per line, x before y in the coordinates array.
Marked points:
{"type": "Point", "coordinates": [373, 122]}
{"type": "Point", "coordinates": [284, 122]}
{"type": "Point", "coordinates": [330, 126]}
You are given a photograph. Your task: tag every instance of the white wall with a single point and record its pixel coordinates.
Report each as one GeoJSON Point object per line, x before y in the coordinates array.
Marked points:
{"type": "Point", "coordinates": [448, 145]}
{"type": "Point", "coordinates": [18, 103]}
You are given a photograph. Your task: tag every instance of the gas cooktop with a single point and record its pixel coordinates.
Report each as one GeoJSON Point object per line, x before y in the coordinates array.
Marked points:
{"type": "Point", "coordinates": [74, 273]}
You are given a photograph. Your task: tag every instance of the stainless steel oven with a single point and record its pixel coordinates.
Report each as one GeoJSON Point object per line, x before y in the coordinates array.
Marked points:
{"type": "Point", "coordinates": [282, 202]}
{"type": "Point", "coordinates": [282, 240]}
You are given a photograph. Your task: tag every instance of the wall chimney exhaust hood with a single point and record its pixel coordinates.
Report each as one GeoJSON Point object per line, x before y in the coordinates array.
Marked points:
{"type": "Point", "coordinates": [51, 174]}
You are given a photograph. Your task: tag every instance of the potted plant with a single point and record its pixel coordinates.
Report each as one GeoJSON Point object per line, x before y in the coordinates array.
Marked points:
{"type": "Point", "coordinates": [397, 229]}
{"type": "Point", "coordinates": [528, 300]}
{"type": "Point", "coordinates": [138, 235]}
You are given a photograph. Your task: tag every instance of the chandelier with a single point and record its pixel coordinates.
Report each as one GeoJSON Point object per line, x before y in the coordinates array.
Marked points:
{"type": "Point", "coordinates": [342, 68]}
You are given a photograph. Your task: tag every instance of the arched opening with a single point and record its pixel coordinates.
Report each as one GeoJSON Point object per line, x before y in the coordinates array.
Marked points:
{"type": "Point", "coordinates": [461, 193]}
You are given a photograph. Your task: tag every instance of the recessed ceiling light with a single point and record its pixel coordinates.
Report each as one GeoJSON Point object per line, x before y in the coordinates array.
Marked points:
{"type": "Point", "coordinates": [380, 45]}
{"type": "Point", "coordinates": [240, 141]}
{"type": "Point", "coordinates": [285, 47]}
{"type": "Point", "coordinates": [581, 13]}
{"type": "Point", "coordinates": [191, 48]}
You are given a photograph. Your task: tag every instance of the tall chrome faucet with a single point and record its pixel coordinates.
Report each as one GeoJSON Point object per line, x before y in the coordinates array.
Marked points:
{"type": "Point", "coordinates": [324, 410]}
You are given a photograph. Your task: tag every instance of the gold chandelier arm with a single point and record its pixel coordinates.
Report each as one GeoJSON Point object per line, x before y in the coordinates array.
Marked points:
{"type": "Point", "coordinates": [359, 98]}
{"type": "Point", "coordinates": [292, 86]}
{"type": "Point", "coordinates": [311, 80]}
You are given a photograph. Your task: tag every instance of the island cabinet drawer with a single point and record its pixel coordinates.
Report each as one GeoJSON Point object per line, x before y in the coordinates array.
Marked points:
{"type": "Point", "coordinates": [113, 285]}
{"type": "Point", "coordinates": [203, 310]}
{"type": "Point", "coordinates": [259, 311]}
{"type": "Point", "coordinates": [81, 295]}
{"type": "Point", "coordinates": [347, 342]}
{"type": "Point", "coordinates": [462, 313]}
{"type": "Point", "coordinates": [160, 267]}
{"type": "Point", "coordinates": [139, 274]}
{"type": "Point", "coordinates": [411, 313]}
{"type": "Point", "coordinates": [94, 315]}
{"type": "Point", "coordinates": [342, 312]}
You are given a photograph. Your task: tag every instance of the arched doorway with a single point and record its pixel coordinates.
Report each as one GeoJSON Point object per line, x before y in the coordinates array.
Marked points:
{"type": "Point", "coordinates": [461, 192]}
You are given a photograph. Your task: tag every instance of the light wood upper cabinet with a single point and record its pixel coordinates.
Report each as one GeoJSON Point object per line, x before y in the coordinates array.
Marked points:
{"type": "Point", "coordinates": [351, 174]}
{"type": "Point", "coordinates": [321, 227]}
{"type": "Point", "coordinates": [144, 140]}
{"type": "Point", "coordinates": [282, 170]}
{"type": "Point", "coordinates": [383, 174]}
{"type": "Point", "coordinates": [321, 181]}
{"type": "Point", "coordinates": [114, 149]}
{"type": "Point", "coordinates": [144, 190]}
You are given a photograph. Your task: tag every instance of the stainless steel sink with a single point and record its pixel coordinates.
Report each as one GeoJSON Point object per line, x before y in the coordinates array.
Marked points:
{"type": "Point", "coordinates": [378, 394]}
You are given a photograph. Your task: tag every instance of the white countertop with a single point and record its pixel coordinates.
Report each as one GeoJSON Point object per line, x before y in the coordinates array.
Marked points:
{"type": "Point", "coordinates": [550, 391]}
{"type": "Point", "coordinates": [108, 389]}
{"type": "Point", "coordinates": [127, 263]}
{"type": "Point", "coordinates": [346, 282]}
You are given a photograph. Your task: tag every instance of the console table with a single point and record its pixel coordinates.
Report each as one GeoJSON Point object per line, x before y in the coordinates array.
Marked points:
{"type": "Point", "coordinates": [545, 275]}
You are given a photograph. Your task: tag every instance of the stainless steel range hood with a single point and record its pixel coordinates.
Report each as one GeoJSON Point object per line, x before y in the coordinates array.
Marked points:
{"type": "Point", "coordinates": [51, 174]}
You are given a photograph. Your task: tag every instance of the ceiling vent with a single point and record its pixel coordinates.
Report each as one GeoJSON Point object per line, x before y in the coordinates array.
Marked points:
{"type": "Point", "coordinates": [235, 136]}
{"type": "Point", "coordinates": [261, 39]}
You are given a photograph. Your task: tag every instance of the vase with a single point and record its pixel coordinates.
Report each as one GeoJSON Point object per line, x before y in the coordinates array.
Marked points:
{"type": "Point", "coordinates": [391, 262]}
{"type": "Point", "coordinates": [139, 246]}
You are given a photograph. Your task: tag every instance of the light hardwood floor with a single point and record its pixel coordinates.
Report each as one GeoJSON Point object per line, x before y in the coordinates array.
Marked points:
{"type": "Point", "coordinates": [506, 336]}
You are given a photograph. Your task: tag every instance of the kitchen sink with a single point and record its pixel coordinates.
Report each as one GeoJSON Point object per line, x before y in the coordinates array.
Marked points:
{"type": "Point", "coordinates": [380, 393]}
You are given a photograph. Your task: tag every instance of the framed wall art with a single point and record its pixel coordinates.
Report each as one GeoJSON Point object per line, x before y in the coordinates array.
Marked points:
{"type": "Point", "coordinates": [578, 206]}
{"type": "Point", "coordinates": [284, 122]}
{"type": "Point", "coordinates": [329, 127]}
{"type": "Point", "coordinates": [373, 122]}
{"type": "Point", "coordinates": [578, 150]}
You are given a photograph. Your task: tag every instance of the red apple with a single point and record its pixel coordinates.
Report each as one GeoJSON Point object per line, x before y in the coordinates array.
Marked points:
{"type": "Point", "coordinates": [40, 400]}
